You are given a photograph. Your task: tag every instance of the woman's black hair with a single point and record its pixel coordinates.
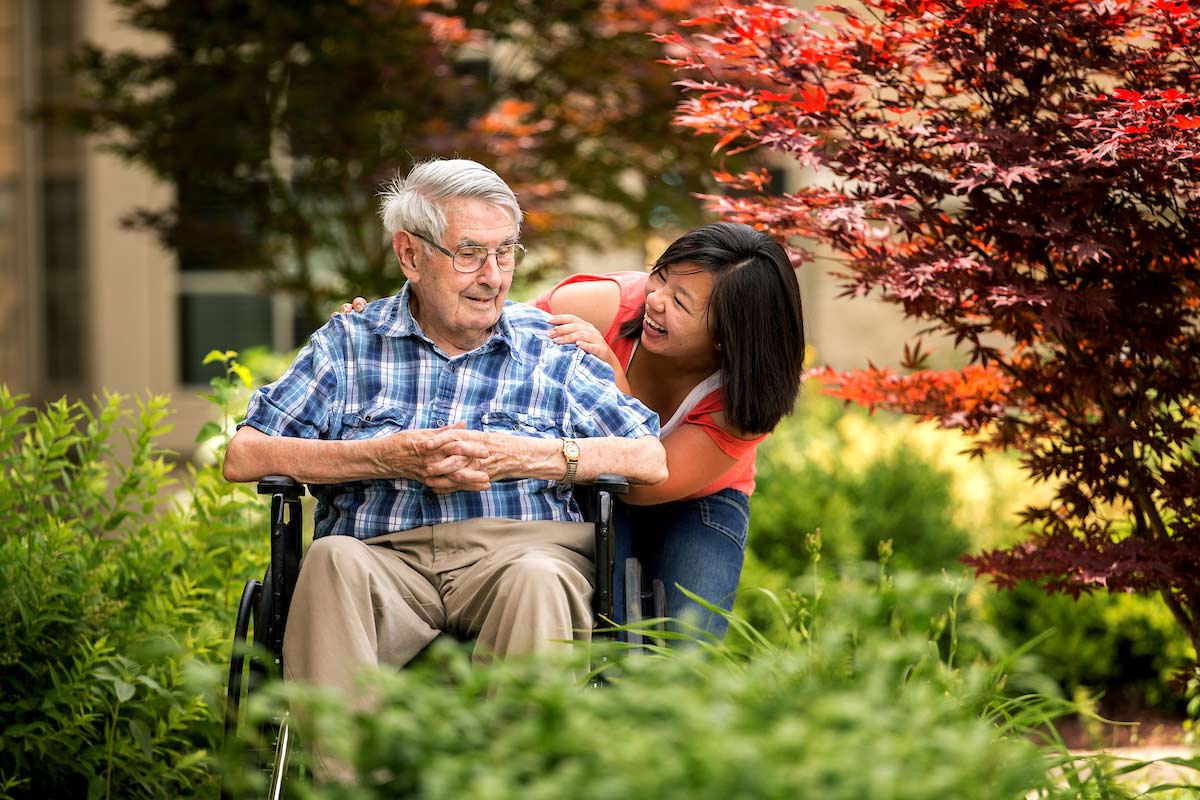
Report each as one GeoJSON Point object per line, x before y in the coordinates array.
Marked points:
{"type": "Point", "coordinates": [755, 316]}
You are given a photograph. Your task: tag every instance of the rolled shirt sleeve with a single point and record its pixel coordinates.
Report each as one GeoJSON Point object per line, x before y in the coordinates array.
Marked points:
{"type": "Point", "coordinates": [304, 402]}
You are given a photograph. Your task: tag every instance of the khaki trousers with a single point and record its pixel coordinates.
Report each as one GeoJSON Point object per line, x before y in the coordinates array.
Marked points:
{"type": "Point", "coordinates": [512, 585]}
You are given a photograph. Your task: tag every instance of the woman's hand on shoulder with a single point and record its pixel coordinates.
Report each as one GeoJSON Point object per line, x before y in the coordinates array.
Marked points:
{"type": "Point", "coordinates": [570, 329]}
{"type": "Point", "coordinates": [355, 306]}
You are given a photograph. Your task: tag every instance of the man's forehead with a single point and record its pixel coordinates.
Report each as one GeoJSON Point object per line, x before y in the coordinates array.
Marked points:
{"type": "Point", "coordinates": [470, 219]}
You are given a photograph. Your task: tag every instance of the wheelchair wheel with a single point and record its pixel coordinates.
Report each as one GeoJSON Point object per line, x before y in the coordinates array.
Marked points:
{"type": "Point", "coordinates": [633, 599]}
{"type": "Point", "coordinates": [659, 601]}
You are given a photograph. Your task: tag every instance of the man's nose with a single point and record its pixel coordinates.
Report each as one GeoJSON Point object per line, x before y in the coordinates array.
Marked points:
{"type": "Point", "coordinates": [489, 273]}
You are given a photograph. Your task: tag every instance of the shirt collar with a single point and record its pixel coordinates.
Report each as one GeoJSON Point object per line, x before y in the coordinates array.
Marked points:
{"type": "Point", "coordinates": [397, 321]}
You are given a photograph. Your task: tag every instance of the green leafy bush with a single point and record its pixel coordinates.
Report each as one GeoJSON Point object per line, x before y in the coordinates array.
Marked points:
{"type": "Point", "coordinates": [833, 704]}
{"type": "Point", "coordinates": [871, 718]}
{"type": "Point", "coordinates": [864, 479]}
{"type": "Point", "coordinates": [861, 480]}
{"type": "Point", "coordinates": [1111, 644]}
{"type": "Point", "coordinates": [118, 597]}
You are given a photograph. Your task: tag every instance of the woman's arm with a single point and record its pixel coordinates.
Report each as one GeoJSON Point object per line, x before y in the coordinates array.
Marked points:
{"type": "Point", "coordinates": [595, 302]}
{"type": "Point", "coordinates": [693, 461]}
{"type": "Point", "coordinates": [582, 314]}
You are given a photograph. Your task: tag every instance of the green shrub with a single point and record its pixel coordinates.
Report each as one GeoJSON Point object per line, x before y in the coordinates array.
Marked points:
{"type": "Point", "coordinates": [842, 722]}
{"type": "Point", "coordinates": [118, 599]}
{"type": "Point", "coordinates": [842, 703]}
{"type": "Point", "coordinates": [861, 480]}
{"type": "Point", "coordinates": [1111, 644]}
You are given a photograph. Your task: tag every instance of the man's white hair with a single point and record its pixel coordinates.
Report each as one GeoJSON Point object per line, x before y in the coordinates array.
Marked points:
{"type": "Point", "coordinates": [415, 203]}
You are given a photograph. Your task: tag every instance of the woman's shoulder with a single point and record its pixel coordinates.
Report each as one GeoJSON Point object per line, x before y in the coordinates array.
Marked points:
{"type": "Point", "coordinates": [604, 301]}
{"type": "Point", "coordinates": [709, 413]}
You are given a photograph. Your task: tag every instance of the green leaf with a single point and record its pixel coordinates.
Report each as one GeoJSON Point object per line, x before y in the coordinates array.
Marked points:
{"type": "Point", "coordinates": [243, 372]}
{"type": "Point", "coordinates": [124, 690]}
{"type": "Point", "coordinates": [208, 431]}
{"type": "Point", "coordinates": [141, 735]}
{"type": "Point", "coordinates": [218, 355]}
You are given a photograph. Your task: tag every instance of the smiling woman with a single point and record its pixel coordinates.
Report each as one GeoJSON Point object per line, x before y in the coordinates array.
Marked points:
{"type": "Point", "coordinates": [712, 340]}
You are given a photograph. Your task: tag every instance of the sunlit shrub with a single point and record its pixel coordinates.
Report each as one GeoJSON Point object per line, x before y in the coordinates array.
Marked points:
{"type": "Point", "coordinates": [117, 603]}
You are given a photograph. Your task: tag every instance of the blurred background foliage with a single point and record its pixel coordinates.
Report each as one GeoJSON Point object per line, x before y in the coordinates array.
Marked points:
{"type": "Point", "coordinates": [279, 123]}
{"type": "Point", "coordinates": [863, 479]}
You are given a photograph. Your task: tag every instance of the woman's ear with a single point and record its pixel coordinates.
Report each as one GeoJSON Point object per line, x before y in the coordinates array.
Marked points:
{"type": "Point", "coordinates": [404, 245]}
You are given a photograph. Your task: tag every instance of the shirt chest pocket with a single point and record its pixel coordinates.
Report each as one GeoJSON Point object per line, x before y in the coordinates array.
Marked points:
{"type": "Point", "coordinates": [374, 422]}
{"type": "Point", "coordinates": [520, 424]}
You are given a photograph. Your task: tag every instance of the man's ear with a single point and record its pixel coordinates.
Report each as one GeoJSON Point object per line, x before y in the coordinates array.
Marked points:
{"type": "Point", "coordinates": [404, 245]}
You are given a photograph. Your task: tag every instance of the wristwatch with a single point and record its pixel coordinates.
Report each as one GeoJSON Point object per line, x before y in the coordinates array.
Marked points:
{"type": "Point", "coordinates": [571, 453]}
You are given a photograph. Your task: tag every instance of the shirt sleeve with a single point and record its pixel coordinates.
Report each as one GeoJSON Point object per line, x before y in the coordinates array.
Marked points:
{"type": "Point", "coordinates": [306, 399]}
{"type": "Point", "coordinates": [730, 445]}
{"type": "Point", "coordinates": [598, 408]}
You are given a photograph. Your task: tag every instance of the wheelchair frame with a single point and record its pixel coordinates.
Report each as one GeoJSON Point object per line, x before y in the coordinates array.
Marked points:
{"type": "Point", "coordinates": [265, 603]}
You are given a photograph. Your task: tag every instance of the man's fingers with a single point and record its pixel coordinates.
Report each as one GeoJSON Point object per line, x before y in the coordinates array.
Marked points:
{"type": "Point", "coordinates": [359, 304]}
{"type": "Point", "coordinates": [463, 480]}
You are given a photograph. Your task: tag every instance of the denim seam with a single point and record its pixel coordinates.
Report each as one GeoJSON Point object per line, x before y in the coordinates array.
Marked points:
{"type": "Point", "coordinates": [735, 536]}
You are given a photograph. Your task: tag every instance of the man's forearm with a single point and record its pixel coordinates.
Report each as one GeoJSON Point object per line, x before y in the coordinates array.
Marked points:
{"type": "Point", "coordinates": [253, 454]}
{"type": "Point", "coordinates": [641, 460]}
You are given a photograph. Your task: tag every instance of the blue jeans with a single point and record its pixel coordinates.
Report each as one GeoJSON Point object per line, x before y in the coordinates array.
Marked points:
{"type": "Point", "coordinates": [698, 544]}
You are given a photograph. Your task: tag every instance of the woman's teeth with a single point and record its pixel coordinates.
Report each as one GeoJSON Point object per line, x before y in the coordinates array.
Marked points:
{"type": "Point", "coordinates": [658, 328]}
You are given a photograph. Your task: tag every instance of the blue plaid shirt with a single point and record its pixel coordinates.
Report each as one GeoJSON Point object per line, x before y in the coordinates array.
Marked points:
{"type": "Point", "coordinates": [376, 373]}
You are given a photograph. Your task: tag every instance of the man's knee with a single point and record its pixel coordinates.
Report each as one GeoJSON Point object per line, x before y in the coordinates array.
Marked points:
{"type": "Point", "coordinates": [540, 572]}
{"type": "Point", "coordinates": [334, 555]}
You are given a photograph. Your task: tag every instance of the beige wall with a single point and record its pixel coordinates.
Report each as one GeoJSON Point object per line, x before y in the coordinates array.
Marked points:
{"type": "Point", "coordinates": [133, 282]}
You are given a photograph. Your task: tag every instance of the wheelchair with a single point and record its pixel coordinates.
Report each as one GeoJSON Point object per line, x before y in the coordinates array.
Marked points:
{"type": "Point", "coordinates": [263, 608]}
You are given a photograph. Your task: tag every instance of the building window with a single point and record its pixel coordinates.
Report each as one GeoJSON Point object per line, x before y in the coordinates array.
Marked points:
{"type": "Point", "coordinates": [220, 321]}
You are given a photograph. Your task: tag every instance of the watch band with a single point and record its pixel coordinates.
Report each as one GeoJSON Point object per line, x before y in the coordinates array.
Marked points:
{"type": "Point", "coordinates": [571, 453]}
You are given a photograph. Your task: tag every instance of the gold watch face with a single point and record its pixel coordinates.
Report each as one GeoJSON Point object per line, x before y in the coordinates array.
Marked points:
{"type": "Point", "coordinates": [570, 449]}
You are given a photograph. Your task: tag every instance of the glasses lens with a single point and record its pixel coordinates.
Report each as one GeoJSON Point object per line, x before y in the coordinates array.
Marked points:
{"type": "Point", "coordinates": [471, 258]}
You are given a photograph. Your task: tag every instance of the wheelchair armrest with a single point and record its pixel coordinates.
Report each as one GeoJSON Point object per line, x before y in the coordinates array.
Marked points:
{"type": "Point", "coordinates": [614, 484]}
{"type": "Point", "coordinates": [280, 484]}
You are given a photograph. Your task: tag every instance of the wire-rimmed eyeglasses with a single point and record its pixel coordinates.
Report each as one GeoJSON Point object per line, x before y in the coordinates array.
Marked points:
{"type": "Point", "coordinates": [471, 258]}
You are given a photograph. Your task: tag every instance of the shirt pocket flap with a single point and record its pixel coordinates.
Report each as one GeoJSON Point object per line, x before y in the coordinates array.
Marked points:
{"type": "Point", "coordinates": [521, 424]}
{"type": "Point", "coordinates": [375, 421]}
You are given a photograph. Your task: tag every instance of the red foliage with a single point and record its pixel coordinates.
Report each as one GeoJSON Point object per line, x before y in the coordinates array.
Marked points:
{"type": "Point", "coordinates": [1023, 176]}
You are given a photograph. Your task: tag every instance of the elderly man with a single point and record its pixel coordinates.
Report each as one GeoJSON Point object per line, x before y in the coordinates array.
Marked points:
{"type": "Point", "coordinates": [449, 431]}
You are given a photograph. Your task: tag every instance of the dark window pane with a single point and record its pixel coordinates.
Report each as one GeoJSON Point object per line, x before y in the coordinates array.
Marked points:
{"type": "Point", "coordinates": [219, 322]}
{"type": "Point", "coordinates": [63, 225]}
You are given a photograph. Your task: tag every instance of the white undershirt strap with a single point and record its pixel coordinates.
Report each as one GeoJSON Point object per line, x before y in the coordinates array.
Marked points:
{"type": "Point", "coordinates": [701, 390]}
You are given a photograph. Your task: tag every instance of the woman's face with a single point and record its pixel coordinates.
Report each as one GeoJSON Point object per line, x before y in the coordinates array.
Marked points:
{"type": "Point", "coordinates": [676, 323]}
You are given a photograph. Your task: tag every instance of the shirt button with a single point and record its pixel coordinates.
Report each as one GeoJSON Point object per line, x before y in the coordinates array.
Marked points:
{"type": "Point", "coordinates": [450, 368]}
{"type": "Point", "coordinates": [441, 423]}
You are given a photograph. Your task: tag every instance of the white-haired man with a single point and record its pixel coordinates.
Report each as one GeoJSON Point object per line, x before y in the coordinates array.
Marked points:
{"type": "Point", "coordinates": [447, 430]}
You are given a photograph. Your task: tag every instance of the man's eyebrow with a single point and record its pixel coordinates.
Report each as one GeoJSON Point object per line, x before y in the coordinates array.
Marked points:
{"type": "Point", "coordinates": [514, 239]}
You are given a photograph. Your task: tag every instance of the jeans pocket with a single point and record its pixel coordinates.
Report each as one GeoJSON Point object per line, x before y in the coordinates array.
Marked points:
{"type": "Point", "coordinates": [727, 512]}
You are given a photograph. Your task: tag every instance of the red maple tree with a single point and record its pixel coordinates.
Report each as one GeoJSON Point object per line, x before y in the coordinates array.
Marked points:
{"type": "Point", "coordinates": [1024, 176]}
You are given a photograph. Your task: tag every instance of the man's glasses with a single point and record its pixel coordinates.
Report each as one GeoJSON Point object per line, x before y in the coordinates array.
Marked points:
{"type": "Point", "coordinates": [471, 258]}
